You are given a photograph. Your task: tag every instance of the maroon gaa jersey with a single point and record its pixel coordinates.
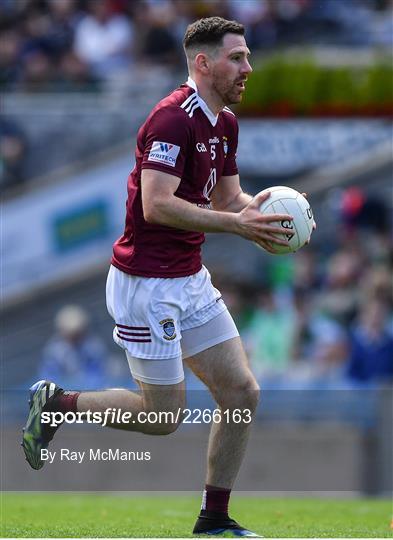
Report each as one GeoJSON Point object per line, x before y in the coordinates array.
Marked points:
{"type": "Point", "coordinates": [182, 137]}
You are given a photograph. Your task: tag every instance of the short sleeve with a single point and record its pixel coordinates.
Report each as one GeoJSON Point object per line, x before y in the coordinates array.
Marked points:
{"type": "Point", "coordinates": [230, 165]}
{"type": "Point", "coordinates": [166, 141]}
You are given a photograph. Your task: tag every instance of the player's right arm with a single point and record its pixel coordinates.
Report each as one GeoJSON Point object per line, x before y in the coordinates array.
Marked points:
{"type": "Point", "coordinates": [161, 206]}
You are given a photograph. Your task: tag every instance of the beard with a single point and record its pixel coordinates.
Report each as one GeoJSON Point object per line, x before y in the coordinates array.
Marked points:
{"type": "Point", "coordinates": [229, 92]}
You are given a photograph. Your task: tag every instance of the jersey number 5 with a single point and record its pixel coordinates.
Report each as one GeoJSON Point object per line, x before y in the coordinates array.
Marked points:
{"type": "Point", "coordinates": [211, 182]}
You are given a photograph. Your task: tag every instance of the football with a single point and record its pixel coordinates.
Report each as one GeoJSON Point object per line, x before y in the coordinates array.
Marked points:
{"type": "Point", "coordinates": [285, 200]}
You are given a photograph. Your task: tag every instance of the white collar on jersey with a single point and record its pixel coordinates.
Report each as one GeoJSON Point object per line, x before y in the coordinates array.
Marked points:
{"type": "Point", "coordinates": [203, 105]}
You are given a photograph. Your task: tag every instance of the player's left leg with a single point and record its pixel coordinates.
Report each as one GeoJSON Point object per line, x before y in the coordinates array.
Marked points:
{"type": "Point", "coordinates": [225, 371]}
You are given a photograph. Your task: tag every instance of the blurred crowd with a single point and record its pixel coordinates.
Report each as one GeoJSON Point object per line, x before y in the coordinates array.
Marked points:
{"type": "Point", "coordinates": [13, 148]}
{"type": "Point", "coordinates": [76, 45]}
{"type": "Point", "coordinates": [75, 356]}
{"type": "Point", "coordinates": [52, 46]}
{"type": "Point", "coordinates": [323, 319]}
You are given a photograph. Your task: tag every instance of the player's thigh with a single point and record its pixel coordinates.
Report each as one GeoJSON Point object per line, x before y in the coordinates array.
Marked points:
{"type": "Point", "coordinates": [162, 387]}
{"type": "Point", "coordinates": [225, 370]}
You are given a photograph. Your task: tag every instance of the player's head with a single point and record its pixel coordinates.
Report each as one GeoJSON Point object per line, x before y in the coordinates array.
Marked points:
{"type": "Point", "coordinates": [216, 52]}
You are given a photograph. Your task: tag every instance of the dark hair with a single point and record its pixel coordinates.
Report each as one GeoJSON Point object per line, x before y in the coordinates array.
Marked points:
{"type": "Point", "coordinates": [210, 31]}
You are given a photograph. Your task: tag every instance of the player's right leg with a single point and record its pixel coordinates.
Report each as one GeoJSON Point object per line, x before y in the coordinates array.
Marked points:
{"type": "Point", "coordinates": [165, 402]}
{"type": "Point", "coordinates": [146, 314]}
{"type": "Point", "coordinates": [156, 411]}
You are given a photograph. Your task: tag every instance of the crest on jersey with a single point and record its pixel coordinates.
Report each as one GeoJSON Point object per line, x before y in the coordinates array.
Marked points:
{"type": "Point", "coordinates": [168, 325]}
{"type": "Point", "coordinates": [225, 143]}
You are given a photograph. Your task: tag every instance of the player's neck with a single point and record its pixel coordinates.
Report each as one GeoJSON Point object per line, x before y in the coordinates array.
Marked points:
{"type": "Point", "coordinates": [209, 96]}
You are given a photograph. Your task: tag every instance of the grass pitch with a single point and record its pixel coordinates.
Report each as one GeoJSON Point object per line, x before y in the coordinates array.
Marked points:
{"type": "Point", "coordinates": [95, 515]}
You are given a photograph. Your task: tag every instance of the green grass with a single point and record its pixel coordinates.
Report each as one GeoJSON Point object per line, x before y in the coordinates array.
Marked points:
{"type": "Point", "coordinates": [96, 515]}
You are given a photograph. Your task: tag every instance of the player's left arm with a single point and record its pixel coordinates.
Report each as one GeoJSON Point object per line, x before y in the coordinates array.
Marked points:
{"type": "Point", "coordinates": [228, 196]}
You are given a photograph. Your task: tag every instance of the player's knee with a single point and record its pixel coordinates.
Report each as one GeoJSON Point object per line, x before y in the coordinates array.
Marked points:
{"type": "Point", "coordinates": [248, 394]}
{"type": "Point", "coordinates": [252, 395]}
{"type": "Point", "coordinates": [241, 394]}
{"type": "Point", "coordinates": [166, 429]}
{"type": "Point", "coordinates": [164, 422]}
{"type": "Point", "coordinates": [167, 423]}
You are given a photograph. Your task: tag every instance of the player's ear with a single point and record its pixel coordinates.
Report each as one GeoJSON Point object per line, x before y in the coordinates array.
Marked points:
{"type": "Point", "coordinates": [202, 63]}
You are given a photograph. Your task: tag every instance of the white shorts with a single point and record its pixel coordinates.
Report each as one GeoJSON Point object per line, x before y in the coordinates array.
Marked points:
{"type": "Point", "coordinates": [156, 317]}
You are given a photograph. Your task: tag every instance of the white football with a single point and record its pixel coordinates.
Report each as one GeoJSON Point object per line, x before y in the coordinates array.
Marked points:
{"type": "Point", "coordinates": [285, 200]}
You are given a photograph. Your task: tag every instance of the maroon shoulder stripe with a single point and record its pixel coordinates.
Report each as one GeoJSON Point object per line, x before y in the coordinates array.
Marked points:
{"type": "Point", "coordinates": [134, 340]}
{"type": "Point", "coordinates": [133, 327]}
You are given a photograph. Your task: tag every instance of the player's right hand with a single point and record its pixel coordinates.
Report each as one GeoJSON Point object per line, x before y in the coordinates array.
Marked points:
{"type": "Point", "coordinates": [253, 225]}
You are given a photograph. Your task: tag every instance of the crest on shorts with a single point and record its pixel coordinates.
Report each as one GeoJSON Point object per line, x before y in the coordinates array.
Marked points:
{"type": "Point", "coordinates": [168, 325]}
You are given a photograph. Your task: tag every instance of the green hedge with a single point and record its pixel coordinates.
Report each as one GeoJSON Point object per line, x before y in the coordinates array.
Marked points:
{"type": "Point", "coordinates": [281, 87]}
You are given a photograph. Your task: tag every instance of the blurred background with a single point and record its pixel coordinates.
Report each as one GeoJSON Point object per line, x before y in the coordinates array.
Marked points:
{"type": "Point", "coordinates": [77, 79]}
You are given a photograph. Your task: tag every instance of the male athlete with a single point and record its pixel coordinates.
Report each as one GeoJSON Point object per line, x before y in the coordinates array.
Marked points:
{"type": "Point", "coordinates": [185, 183]}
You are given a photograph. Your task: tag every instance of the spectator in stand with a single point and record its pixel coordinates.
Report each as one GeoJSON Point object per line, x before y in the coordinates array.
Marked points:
{"type": "Point", "coordinates": [339, 299]}
{"type": "Point", "coordinates": [362, 211]}
{"type": "Point", "coordinates": [74, 355]}
{"type": "Point", "coordinates": [366, 220]}
{"type": "Point", "coordinates": [292, 20]}
{"type": "Point", "coordinates": [157, 35]}
{"type": "Point", "coordinates": [104, 40]}
{"type": "Point", "coordinates": [239, 297]}
{"type": "Point", "coordinates": [75, 75]}
{"type": "Point", "coordinates": [270, 337]}
{"type": "Point", "coordinates": [327, 353]}
{"type": "Point", "coordinates": [377, 283]}
{"type": "Point", "coordinates": [64, 18]}
{"type": "Point", "coordinates": [258, 17]}
{"type": "Point", "coordinates": [383, 25]}
{"type": "Point", "coordinates": [371, 345]}
{"type": "Point", "coordinates": [12, 154]}
{"type": "Point", "coordinates": [306, 274]}
{"type": "Point", "coordinates": [36, 26]}
{"type": "Point", "coordinates": [10, 67]}
{"type": "Point", "coordinates": [39, 73]}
